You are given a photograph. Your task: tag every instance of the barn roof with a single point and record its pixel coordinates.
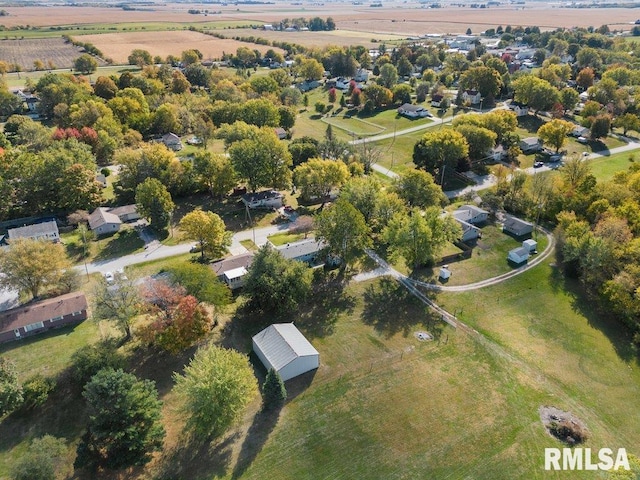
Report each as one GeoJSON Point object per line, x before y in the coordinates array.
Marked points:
{"type": "Point", "coordinates": [282, 343]}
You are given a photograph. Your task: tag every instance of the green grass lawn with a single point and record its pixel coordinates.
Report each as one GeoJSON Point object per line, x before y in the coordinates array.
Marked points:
{"type": "Point", "coordinates": [488, 258]}
{"type": "Point", "coordinates": [604, 168]}
{"type": "Point", "coordinates": [123, 242]}
{"type": "Point", "coordinates": [286, 237]}
{"type": "Point", "coordinates": [353, 125]}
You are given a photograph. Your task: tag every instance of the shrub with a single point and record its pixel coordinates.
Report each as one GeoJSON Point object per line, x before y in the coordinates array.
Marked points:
{"type": "Point", "coordinates": [36, 390]}
{"type": "Point", "coordinates": [568, 431]}
{"type": "Point", "coordinates": [91, 359]}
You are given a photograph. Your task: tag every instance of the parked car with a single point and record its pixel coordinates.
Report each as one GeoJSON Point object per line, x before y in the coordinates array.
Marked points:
{"type": "Point", "coordinates": [538, 164]}
{"type": "Point", "coordinates": [582, 139]}
{"type": "Point", "coordinates": [108, 276]}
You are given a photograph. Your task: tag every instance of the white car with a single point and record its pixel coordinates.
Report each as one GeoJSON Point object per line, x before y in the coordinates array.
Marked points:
{"type": "Point", "coordinates": [108, 276]}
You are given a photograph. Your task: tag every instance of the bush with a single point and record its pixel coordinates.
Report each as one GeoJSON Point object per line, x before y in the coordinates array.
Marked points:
{"type": "Point", "coordinates": [91, 359]}
{"type": "Point", "coordinates": [36, 390]}
{"type": "Point", "coordinates": [320, 107]}
{"type": "Point", "coordinates": [568, 431]}
{"type": "Point", "coordinates": [274, 392]}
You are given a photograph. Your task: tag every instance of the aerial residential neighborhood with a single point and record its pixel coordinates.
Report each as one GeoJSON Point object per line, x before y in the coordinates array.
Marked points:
{"type": "Point", "coordinates": [267, 240]}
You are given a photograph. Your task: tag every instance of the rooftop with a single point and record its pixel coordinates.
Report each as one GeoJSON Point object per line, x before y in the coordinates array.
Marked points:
{"type": "Point", "coordinates": [282, 343]}
{"type": "Point", "coordinates": [35, 230]}
{"type": "Point", "coordinates": [223, 266]}
{"type": "Point", "coordinates": [41, 311]}
{"type": "Point", "coordinates": [101, 216]}
{"type": "Point", "coordinates": [301, 248]}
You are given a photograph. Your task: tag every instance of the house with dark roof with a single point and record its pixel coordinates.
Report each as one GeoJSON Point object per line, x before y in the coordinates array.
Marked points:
{"type": "Point", "coordinates": [517, 227]}
{"type": "Point", "coordinates": [520, 109]}
{"type": "Point", "coordinates": [413, 111]}
{"type": "Point", "coordinates": [38, 317]}
{"type": "Point", "coordinates": [172, 141]}
{"type": "Point", "coordinates": [39, 231]}
{"type": "Point", "coordinates": [266, 199]}
{"type": "Point", "coordinates": [436, 100]}
{"type": "Point", "coordinates": [233, 270]}
{"type": "Point", "coordinates": [471, 96]}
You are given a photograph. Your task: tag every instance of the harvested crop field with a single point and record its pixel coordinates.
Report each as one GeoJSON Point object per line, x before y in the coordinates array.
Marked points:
{"type": "Point", "coordinates": [118, 46]}
{"type": "Point", "coordinates": [318, 39]}
{"type": "Point", "coordinates": [25, 52]}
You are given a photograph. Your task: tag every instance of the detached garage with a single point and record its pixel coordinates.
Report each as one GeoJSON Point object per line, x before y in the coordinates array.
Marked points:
{"type": "Point", "coordinates": [282, 347]}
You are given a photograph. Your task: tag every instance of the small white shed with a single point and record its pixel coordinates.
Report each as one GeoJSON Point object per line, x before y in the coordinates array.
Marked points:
{"type": "Point", "coordinates": [282, 346]}
{"type": "Point", "coordinates": [530, 245]}
{"type": "Point", "coordinates": [518, 255]}
{"type": "Point", "coordinates": [445, 273]}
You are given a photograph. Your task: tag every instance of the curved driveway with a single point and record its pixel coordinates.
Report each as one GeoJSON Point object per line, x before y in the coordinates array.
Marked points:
{"type": "Point", "coordinates": [386, 269]}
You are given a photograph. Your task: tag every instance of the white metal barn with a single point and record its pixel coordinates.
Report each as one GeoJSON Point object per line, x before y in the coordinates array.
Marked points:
{"type": "Point", "coordinates": [282, 347]}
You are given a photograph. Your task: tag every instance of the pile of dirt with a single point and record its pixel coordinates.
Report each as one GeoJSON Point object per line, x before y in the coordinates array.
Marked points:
{"type": "Point", "coordinates": [562, 425]}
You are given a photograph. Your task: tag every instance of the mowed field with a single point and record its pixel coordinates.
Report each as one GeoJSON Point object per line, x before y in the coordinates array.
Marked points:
{"type": "Point", "coordinates": [118, 46]}
{"type": "Point", "coordinates": [25, 52]}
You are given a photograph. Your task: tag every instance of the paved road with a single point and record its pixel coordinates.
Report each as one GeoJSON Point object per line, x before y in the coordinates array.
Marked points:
{"type": "Point", "coordinates": [155, 251]}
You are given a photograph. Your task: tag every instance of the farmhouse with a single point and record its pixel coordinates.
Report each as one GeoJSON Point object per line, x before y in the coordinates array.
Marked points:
{"type": "Point", "coordinates": [303, 251]}
{"type": "Point", "coordinates": [471, 96]}
{"type": "Point", "coordinates": [172, 141]}
{"type": "Point", "coordinates": [520, 109]}
{"type": "Point", "coordinates": [233, 270]}
{"type": "Point", "coordinates": [516, 226]}
{"type": "Point", "coordinates": [266, 199]}
{"type": "Point", "coordinates": [518, 255]}
{"type": "Point", "coordinates": [530, 145]}
{"type": "Point", "coordinates": [282, 347]}
{"type": "Point", "coordinates": [103, 222]}
{"type": "Point", "coordinates": [413, 111]}
{"type": "Point", "coordinates": [35, 318]}
{"type": "Point", "coordinates": [39, 231]}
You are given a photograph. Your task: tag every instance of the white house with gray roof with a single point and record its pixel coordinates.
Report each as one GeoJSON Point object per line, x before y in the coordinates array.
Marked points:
{"type": "Point", "coordinates": [304, 251]}
{"type": "Point", "coordinates": [284, 348]}
{"type": "Point", "coordinates": [39, 231]}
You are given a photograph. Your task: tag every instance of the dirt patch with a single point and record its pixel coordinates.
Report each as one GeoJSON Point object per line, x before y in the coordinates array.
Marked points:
{"type": "Point", "coordinates": [562, 425]}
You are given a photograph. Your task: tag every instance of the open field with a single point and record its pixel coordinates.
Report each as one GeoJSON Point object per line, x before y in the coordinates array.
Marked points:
{"type": "Point", "coordinates": [605, 168]}
{"type": "Point", "coordinates": [395, 18]}
{"type": "Point", "coordinates": [54, 50]}
{"type": "Point", "coordinates": [321, 39]}
{"type": "Point", "coordinates": [119, 45]}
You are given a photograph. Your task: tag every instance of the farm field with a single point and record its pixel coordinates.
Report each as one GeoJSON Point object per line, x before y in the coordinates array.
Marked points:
{"type": "Point", "coordinates": [394, 18]}
{"type": "Point", "coordinates": [119, 45]}
{"type": "Point", "coordinates": [15, 80]}
{"type": "Point", "coordinates": [25, 52]}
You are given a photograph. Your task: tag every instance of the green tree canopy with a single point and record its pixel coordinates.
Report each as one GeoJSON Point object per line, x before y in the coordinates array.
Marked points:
{"type": "Point", "coordinates": [154, 203]}
{"type": "Point", "coordinates": [209, 230]}
{"type": "Point", "coordinates": [201, 282]}
{"type": "Point", "coordinates": [555, 132]}
{"type": "Point", "coordinates": [10, 389]}
{"type": "Point", "coordinates": [275, 284]}
{"type": "Point", "coordinates": [30, 265]}
{"type": "Point", "coordinates": [47, 458]}
{"type": "Point", "coordinates": [215, 389]}
{"type": "Point", "coordinates": [419, 237]}
{"type": "Point", "coordinates": [274, 392]}
{"type": "Point", "coordinates": [345, 231]}
{"type": "Point", "coordinates": [85, 64]}
{"type": "Point", "coordinates": [124, 421]}
{"type": "Point", "coordinates": [317, 177]}
{"type": "Point", "coordinates": [215, 172]}
{"type": "Point", "coordinates": [418, 189]}
{"type": "Point", "coordinates": [440, 149]}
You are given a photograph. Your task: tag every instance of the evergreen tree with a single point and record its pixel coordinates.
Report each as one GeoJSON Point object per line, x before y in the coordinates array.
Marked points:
{"type": "Point", "coordinates": [274, 392]}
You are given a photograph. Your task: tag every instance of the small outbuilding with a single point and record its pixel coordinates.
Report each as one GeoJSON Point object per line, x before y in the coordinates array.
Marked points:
{"type": "Point", "coordinates": [284, 348]}
{"type": "Point", "coordinates": [518, 255]}
{"type": "Point", "coordinates": [530, 245]}
{"type": "Point", "coordinates": [445, 273]}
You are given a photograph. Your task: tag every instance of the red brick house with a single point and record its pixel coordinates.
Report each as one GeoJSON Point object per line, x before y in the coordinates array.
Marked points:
{"type": "Point", "coordinates": [38, 317]}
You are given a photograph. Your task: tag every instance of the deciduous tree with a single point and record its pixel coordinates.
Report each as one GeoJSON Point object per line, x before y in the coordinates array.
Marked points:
{"type": "Point", "coordinates": [440, 149]}
{"type": "Point", "coordinates": [10, 389]}
{"type": "Point", "coordinates": [215, 389]}
{"type": "Point", "coordinates": [418, 189]}
{"type": "Point", "coordinates": [201, 282]}
{"type": "Point", "coordinates": [345, 231]}
{"type": "Point", "coordinates": [30, 265]}
{"type": "Point", "coordinates": [215, 171]}
{"type": "Point", "coordinates": [119, 302]}
{"type": "Point", "coordinates": [275, 284]}
{"type": "Point", "coordinates": [86, 64]}
{"type": "Point", "coordinates": [555, 133]}
{"type": "Point", "coordinates": [317, 177]}
{"type": "Point", "coordinates": [154, 203]}
{"type": "Point", "coordinates": [47, 458]}
{"type": "Point", "coordinates": [208, 229]}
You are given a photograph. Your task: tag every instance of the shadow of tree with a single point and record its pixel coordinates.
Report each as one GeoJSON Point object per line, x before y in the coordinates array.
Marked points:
{"type": "Point", "coordinates": [263, 424]}
{"type": "Point", "coordinates": [390, 308]}
{"type": "Point", "coordinates": [317, 318]}
{"type": "Point", "coordinates": [530, 123]}
{"type": "Point", "coordinates": [122, 243]}
{"type": "Point", "coordinates": [599, 317]}
{"type": "Point", "coordinates": [197, 459]}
